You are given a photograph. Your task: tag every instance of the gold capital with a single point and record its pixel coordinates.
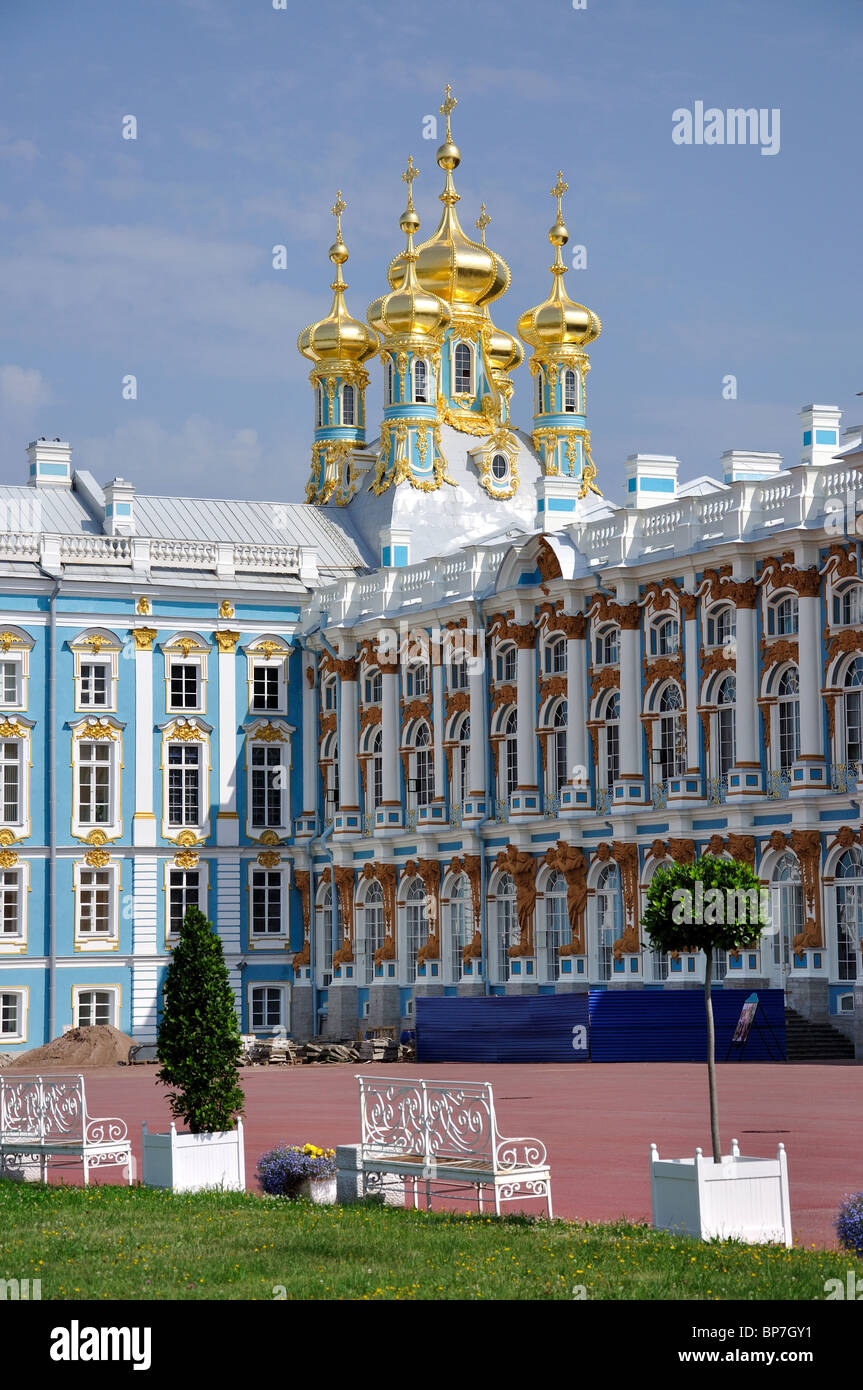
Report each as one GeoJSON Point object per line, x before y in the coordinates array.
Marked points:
{"type": "Point", "coordinates": [144, 638]}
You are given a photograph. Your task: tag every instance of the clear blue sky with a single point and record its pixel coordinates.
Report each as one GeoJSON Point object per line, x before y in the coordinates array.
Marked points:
{"type": "Point", "coordinates": [154, 256]}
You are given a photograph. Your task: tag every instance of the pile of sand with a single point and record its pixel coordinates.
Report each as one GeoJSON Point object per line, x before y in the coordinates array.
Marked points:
{"type": "Point", "coordinates": [101, 1046]}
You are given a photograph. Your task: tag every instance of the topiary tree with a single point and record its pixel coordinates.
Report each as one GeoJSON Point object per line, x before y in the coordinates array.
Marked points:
{"type": "Point", "coordinates": [199, 1042]}
{"type": "Point", "coordinates": [709, 905]}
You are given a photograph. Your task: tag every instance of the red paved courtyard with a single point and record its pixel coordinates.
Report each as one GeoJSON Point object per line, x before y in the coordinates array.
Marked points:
{"type": "Point", "coordinates": [597, 1122]}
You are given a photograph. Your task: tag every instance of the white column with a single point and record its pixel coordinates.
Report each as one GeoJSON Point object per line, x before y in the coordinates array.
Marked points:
{"type": "Point", "coordinates": [576, 705]}
{"type": "Point", "coordinates": [630, 707]}
{"type": "Point", "coordinates": [310, 747]}
{"type": "Point", "coordinates": [144, 947]}
{"type": "Point", "coordinates": [227, 919]}
{"type": "Point", "coordinates": [747, 724]}
{"type": "Point", "coordinates": [227, 823]}
{"type": "Point", "coordinates": [526, 705]}
{"type": "Point", "coordinates": [478, 742]}
{"type": "Point", "coordinates": [437, 723]}
{"type": "Point", "coordinates": [692, 693]}
{"type": "Point", "coordinates": [348, 761]}
{"type": "Point", "coordinates": [809, 666]}
{"type": "Point", "coordinates": [144, 821]}
{"type": "Point", "coordinates": [390, 734]}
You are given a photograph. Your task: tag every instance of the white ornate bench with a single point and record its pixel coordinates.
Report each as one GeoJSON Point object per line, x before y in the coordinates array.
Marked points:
{"type": "Point", "coordinates": [44, 1117]}
{"type": "Point", "coordinates": [445, 1132]}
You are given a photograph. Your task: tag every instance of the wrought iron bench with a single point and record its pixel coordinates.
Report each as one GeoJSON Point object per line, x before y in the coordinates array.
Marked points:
{"type": "Point", "coordinates": [44, 1117]}
{"type": "Point", "coordinates": [445, 1132]}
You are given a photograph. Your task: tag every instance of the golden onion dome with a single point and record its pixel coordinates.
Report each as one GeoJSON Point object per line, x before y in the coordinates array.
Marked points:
{"type": "Point", "coordinates": [338, 337]}
{"type": "Point", "coordinates": [463, 272]}
{"type": "Point", "coordinates": [409, 309]}
{"type": "Point", "coordinates": [559, 321]}
{"type": "Point", "coordinates": [504, 352]}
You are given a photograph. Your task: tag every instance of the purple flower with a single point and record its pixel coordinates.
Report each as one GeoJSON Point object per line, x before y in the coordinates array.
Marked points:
{"type": "Point", "coordinates": [284, 1168]}
{"type": "Point", "coordinates": [849, 1223]}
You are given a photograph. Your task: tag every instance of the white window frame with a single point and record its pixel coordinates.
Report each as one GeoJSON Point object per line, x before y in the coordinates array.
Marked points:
{"type": "Point", "coordinates": [96, 647]}
{"type": "Point", "coordinates": [273, 657]}
{"type": "Point", "coordinates": [21, 825]}
{"type": "Point", "coordinates": [260, 938]}
{"type": "Point", "coordinates": [20, 660]}
{"type": "Point", "coordinates": [169, 736]}
{"type": "Point", "coordinates": [254, 740]}
{"type": "Point", "coordinates": [284, 990]}
{"type": "Point", "coordinates": [14, 943]}
{"type": "Point", "coordinates": [87, 731]}
{"type": "Point", "coordinates": [472, 387]}
{"type": "Point", "coordinates": [203, 872]}
{"type": "Point", "coordinates": [97, 941]}
{"type": "Point", "coordinates": [23, 995]}
{"type": "Point", "coordinates": [79, 990]}
{"type": "Point", "coordinates": [176, 663]}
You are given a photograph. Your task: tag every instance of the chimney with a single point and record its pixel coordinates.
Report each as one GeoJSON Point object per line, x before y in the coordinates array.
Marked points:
{"type": "Point", "coordinates": [820, 433]}
{"type": "Point", "coordinates": [50, 463]}
{"type": "Point", "coordinates": [119, 508]}
{"type": "Point", "coordinates": [651, 479]}
{"type": "Point", "coordinates": [741, 465]}
{"type": "Point", "coordinates": [395, 547]}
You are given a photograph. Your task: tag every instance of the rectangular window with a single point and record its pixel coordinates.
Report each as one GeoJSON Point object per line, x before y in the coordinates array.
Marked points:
{"type": "Point", "coordinates": [11, 1012]}
{"type": "Point", "coordinates": [95, 1008]}
{"type": "Point", "coordinates": [10, 779]}
{"type": "Point", "coordinates": [267, 1006]}
{"type": "Point", "coordinates": [266, 902]}
{"type": "Point", "coordinates": [269, 775]}
{"type": "Point", "coordinates": [95, 683]}
{"type": "Point", "coordinates": [265, 687]}
{"type": "Point", "coordinates": [94, 784]}
{"type": "Point", "coordinates": [94, 903]}
{"type": "Point", "coordinates": [184, 685]}
{"type": "Point", "coordinates": [10, 903]}
{"type": "Point", "coordinates": [10, 684]}
{"type": "Point", "coordinates": [184, 891]}
{"type": "Point", "coordinates": [184, 784]}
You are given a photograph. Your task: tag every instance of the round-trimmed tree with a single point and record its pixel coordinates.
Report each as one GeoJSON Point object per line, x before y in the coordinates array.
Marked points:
{"type": "Point", "coordinates": [710, 905]}
{"type": "Point", "coordinates": [199, 1043]}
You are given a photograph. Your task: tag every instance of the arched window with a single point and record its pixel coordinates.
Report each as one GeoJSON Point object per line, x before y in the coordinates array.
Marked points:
{"type": "Point", "coordinates": [376, 784]}
{"type": "Point", "coordinates": [570, 393]}
{"type": "Point", "coordinates": [420, 381]}
{"type": "Point", "coordinates": [373, 926]}
{"type": "Point", "coordinates": [609, 769]}
{"type": "Point", "coordinates": [319, 407]}
{"type": "Point", "coordinates": [460, 924]}
{"type": "Point", "coordinates": [607, 650]}
{"type": "Point", "coordinates": [328, 697]}
{"type": "Point", "coordinates": [665, 637]}
{"type": "Point", "coordinates": [507, 665]}
{"type": "Point", "coordinates": [416, 928]}
{"type": "Point", "coordinates": [787, 913]}
{"type": "Point", "coordinates": [782, 617]}
{"type": "Point", "coordinates": [557, 760]}
{"type": "Point", "coordinates": [555, 655]}
{"type": "Point", "coordinates": [509, 755]}
{"type": "Point", "coordinates": [608, 918]}
{"type": "Point", "coordinates": [390, 377]}
{"type": "Point", "coordinates": [848, 606]}
{"type": "Point", "coordinates": [788, 696]}
{"type": "Point", "coordinates": [418, 680]}
{"type": "Point", "coordinates": [506, 933]}
{"type": "Point", "coordinates": [539, 392]}
{"type": "Point", "coordinates": [556, 923]}
{"type": "Point", "coordinates": [725, 720]}
{"type": "Point", "coordinates": [854, 711]}
{"type": "Point", "coordinates": [348, 405]}
{"type": "Point", "coordinates": [461, 762]}
{"type": "Point", "coordinates": [672, 734]}
{"type": "Point", "coordinates": [463, 370]}
{"type": "Point", "coordinates": [423, 771]}
{"type": "Point", "coordinates": [374, 688]}
{"type": "Point", "coordinates": [849, 911]}
{"type": "Point", "coordinates": [327, 928]}
{"type": "Point", "coordinates": [721, 626]}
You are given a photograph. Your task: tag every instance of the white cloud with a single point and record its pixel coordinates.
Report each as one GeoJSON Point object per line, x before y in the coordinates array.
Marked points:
{"type": "Point", "coordinates": [201, 457]}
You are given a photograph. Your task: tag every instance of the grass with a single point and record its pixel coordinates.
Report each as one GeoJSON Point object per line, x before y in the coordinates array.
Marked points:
{"type": "Point", "coordinates": [138, 1243]}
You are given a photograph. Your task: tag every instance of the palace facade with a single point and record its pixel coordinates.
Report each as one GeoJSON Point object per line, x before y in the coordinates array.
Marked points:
{"type": "Point", "coordinates": [432, 730]}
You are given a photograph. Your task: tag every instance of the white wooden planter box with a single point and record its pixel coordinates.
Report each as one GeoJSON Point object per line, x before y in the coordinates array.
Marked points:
{"type": "Point", "coordinates": [742, 1198]}
{"type": "Point", "coordinates": [191, 1162]}
{"type": "Point", "coordinates": [321, 1191]}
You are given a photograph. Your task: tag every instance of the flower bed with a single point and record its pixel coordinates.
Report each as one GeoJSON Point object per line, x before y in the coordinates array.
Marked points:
{"type": "Point", "coordinates": [283, 1171]}
{"type": "Point", "coordinates": [849, 1224]}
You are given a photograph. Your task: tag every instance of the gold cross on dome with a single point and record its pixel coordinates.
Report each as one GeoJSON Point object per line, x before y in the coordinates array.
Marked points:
{"type": "Point", "coordinates": [558, 191]}
{"type": "Point", "coordinates": [337, 209]}
{"type": "Point", "coordinates": [408, 177]}
{"type": "Point", "coordinates": [482, 222]}
{"type": "Point", "coordinates": [449, 105]}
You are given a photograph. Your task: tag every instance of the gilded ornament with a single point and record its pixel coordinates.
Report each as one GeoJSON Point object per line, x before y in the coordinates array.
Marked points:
{"type": "Point", "coordinates": [143, 606]}
{"type": "Point", "coordinates": [97, 858]}
{"type": "Point", "coordinates": [269, 859]}
{"type": "Point", "coordinates": [8, 858]}
{"type": "Point", "coordinates": [144, 638]}
{"type": "Point", "coordinates": [226, 641]}
{"type": "Point", "coordinates": [187, 859]}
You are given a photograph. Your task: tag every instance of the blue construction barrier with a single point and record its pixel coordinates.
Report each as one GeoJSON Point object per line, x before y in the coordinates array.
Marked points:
{"type": "Point", "coordinates": [531, 1028]}
{"type": "Point", "coordinates": [652, 1025]}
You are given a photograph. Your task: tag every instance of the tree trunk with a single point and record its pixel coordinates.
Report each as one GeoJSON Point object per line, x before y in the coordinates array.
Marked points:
{"type": "Point", "coordinates": [711, 1060]}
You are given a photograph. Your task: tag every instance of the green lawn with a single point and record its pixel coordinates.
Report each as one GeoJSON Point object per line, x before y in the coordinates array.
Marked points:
{"type": "Point", "coordinates": [137, 1243]}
